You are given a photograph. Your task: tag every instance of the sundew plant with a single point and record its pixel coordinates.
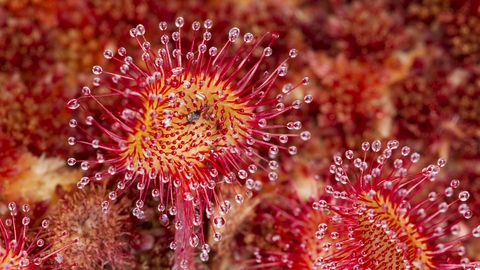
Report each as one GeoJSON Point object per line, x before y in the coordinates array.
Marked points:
{"type": "Point", "coordinates": [193, 122]}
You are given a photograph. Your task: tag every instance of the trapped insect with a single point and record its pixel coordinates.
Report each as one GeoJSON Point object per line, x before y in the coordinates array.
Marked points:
{"type": "Point", "coordinates": [195, 115]}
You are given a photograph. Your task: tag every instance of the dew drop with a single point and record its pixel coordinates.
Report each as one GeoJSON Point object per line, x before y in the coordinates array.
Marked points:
{"type": "Point", "coordinates": [219, 222]}
{"type": "Point", "coordinates": [349, 154]}
{"type": "Point", "coordinates": [267, 51]}
{"type": "Point", "coordinates": [108, 54]}
{"type": "Point", "coordinates": [89, 120]}
{"type": "Point", "coordinates": [455, 183]}
{"type": "Point", "coordinates": [204, 257]}
{"type": "Point", "coordinates": [212, 51]}
{"type": "Point", "coordinates": [376, 145]}
{"type": "Point", "coordinates": [194, 240]}
{"type": "Point", "coordinates": [217, 236]}
{"type": "Point", "coordinates": [250, 184]}
{"type": "Point", "coordinates": [71, 161]}
{"type": "Point", "coordinates": [393, 144]}
{"type": "Point", "coordinates": [248, 37]}
{"type": "Point", "coordinates": [85, 165]}
{"type": "Point", "coordinates": [233, 34]}
{"type": "Point", "coordinates": [133, 32]}
{"type": "Point", "coordinates": [272, 176]}
{"type": "Point", "coordinates": [206, 36]}
{"type": "Point", "coordinates": [337, 160]}
{"type": "Point", "coordinates": [262, 123]}
{"type": "Point", "coordinates": [97, 70]}
{"type": "Point", "coordinates": [441, 162]}
{"type": "Point", "coordinates": [306, 81]}
{"type": "Point", "coordinates": [283, 138]}
{"type": "Point", "coordinates": [239, 198]}
{"type": "Point", "coordinates": [40, 243]}
{"type": "Point", "coordinates": [476, 231]}
{"type": "Point", "coordinates": [272, 164]}
{"type": "Point", "coordinates": [164, 220]}
{"type": "Point", "coordinates": [45, 223]}
{"type": "Point", "coordinates": [305, 135]}
{"type": "Point", "coordinates": [296, 104]}
{"type": "Point", "coordinates": [322, 203]}
{"type": "Point", "coordinates": [463, 196]}
{"type": "Point", "coordinates": [242, 174]}
{"type": "Point", "coordinates": [37, 261]}
{"type": "Point", "coordinates": [455, 229]}
{"type": "Point", "coordinates": [415, 157]}
{"type": "Point", "coordinates": [179, 22]}
{"type": "Point", "coordinates": [122, 51]}
{"type": "Point", "coordinates": [322, 226]}
{"type": "Point", "coordinates": [196, 25]}
{"type": "Point", "coordinates": [25, 221]}
{"type": "Point", "coordinates": [178, 225]}
{"type": "Point", "coordinates": [293, 53]}
{"type": "Point", "coordinates": [86, 90]}
{"type": "Point", "coordinates": [443, 207]}
{"type": "Point", "coordinates": [208, 24]}
{"type": "Point", "coordinates": [365, 146]}
{"type": "Point", "coordinates": [111, 170]}
{"type": "Point", "coordinates": [162, 26]}
{"type": "Point", "coordinates": [72, 123]}
{"type": "Point", "coordinates": [95, 144]}
{"type": "Point", "coordinates": [405, 151]}
{"type": "Point", "coordinates": [105, 204]}
{"type": "Point", "coordinates": [73, 104]}
{"type": "Point", "coordinates": [140, 29]}
{"type": "Point", "coordinates": [308, 99]}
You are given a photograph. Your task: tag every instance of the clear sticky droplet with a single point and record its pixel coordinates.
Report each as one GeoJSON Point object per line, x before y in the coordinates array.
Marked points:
{"type": "Point", "coordinates": [73, 104]}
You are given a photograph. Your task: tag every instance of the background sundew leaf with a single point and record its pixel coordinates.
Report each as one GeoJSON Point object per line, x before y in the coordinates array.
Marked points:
{"type": "Point", "coordinates": [404, 70]}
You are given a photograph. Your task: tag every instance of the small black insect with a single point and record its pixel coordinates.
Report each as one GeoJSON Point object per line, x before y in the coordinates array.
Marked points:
{"type": "Point", "coordinates": [194, 116]}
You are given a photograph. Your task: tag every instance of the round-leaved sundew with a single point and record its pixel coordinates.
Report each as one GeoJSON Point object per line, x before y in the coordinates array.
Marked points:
{"type": "Point", "coordinates": [102, 235]}
{"type": "Point", "coordinates": [389, 220]}
{"type": "Point", "coordinates": [191, 121]}
{"type": "Point", "coordinates": [23, 248]}
{"type": "Point", "coordinates": [284, 232]}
